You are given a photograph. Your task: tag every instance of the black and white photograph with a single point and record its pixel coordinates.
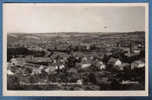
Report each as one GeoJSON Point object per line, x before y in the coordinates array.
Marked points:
{"type": "Point", "coordinates": [96, 49]}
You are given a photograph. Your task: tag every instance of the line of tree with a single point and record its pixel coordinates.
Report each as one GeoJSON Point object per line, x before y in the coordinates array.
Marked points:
{"type": "Point", "coordinates": [22, 51]}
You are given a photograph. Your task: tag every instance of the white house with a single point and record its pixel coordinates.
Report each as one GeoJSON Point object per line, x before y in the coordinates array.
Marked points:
{"type": "Point", "coordinates": [14, 61]}
{"type": "Point", "coordinates": [137, 64]}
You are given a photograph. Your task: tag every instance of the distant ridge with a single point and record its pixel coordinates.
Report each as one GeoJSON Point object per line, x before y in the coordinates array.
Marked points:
{"type": "Point", "coordinates": [77, 33]}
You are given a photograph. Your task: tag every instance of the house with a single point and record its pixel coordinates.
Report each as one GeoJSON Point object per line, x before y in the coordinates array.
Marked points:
{"type": "Point", "coordinates": [102, 65]}
{"type": "Point", "coordinates": [116, 63]}
{"type": "Point", "coordinates": [9, 72]}
{"type": "Point", "coordinates": [85, 46]}
{"type": "Point", "coordinates": [137, 64]}
{"type": "Point", "coordinates": [14, 61]}
{"type": "Point", "coordinates": [136, 51]}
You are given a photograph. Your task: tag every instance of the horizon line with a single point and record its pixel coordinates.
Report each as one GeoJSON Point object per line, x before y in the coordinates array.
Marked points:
{"type": "Point", "coordinates": [69, 32]}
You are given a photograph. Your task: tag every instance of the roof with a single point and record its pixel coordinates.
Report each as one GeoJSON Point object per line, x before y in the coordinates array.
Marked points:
{"type": "Point", "coordinates": [139, 62]}
{"type": "Point", "coordinates": [112, 60]}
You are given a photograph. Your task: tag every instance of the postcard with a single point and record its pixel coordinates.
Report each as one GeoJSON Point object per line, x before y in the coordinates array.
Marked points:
{"type": "Point", "coordinates": [75, 49]}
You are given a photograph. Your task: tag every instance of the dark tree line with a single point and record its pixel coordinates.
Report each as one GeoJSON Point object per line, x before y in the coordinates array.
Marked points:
{"type": "Point", "coordinates": [14, 52]}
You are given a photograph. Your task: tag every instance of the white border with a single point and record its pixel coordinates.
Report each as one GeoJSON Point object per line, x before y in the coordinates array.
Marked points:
{"type": "Point", "coordinates": [75, 93]}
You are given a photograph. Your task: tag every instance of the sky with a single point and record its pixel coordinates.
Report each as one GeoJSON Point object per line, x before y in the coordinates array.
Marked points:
{"type": "Point", "coordinates": [44, 18]}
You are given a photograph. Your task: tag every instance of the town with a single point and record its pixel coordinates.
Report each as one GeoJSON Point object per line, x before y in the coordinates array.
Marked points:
{"type": "Point", "coordinates": [76, 61]}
